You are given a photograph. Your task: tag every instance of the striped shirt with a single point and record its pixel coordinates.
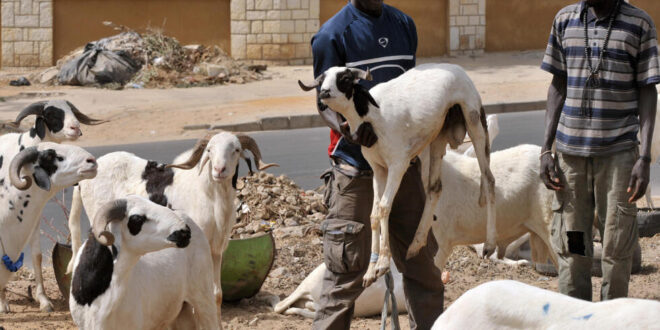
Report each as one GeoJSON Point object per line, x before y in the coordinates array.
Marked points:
{"type": "Point", "coordinates": [630, 61]}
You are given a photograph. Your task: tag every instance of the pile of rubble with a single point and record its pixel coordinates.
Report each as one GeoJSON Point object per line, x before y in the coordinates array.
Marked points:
{"type": "Point", "coordinates": [269, 203]}
{"type": "Point", "coordinates": [163, 62]}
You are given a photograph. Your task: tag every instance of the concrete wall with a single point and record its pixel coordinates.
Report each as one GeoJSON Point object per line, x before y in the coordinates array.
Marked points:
{"type": "Point", "coordinates": [520, 24]}
{"type": "Point", "coordinates": [430, 17]}
{"type": "Point", "coordinates": [77, 22]}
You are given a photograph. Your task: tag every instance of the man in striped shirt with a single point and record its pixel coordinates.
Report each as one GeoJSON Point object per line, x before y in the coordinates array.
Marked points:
{"type": "Point", "coordinates": [604, 60]}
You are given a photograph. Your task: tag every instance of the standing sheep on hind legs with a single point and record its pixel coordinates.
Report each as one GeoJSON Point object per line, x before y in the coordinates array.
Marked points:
{"type": "Point", "coordinates": [56, 121]}
{"type": "Point", "coordinates": [432, 105]}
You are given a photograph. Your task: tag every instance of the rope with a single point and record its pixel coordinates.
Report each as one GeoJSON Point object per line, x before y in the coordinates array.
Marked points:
{"type": "Point", "coordinates": [389, 294]}
{"type": "Point", "coordinates": [6, 260]}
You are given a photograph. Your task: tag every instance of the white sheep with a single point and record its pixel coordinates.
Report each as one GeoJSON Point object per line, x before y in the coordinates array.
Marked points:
{"type": "Point", "coordinates": [56, 121]}
{"type": "Point", "coordinates": [52, 167]}
{"type": "Point", "coordinates": [430, 105]}
{"type": "Point", "coordinates": [304, 299]}
{"type": "Point", "coordinates": [523, 204]}
{"type": "Point", "coordinates": [205, 193]}
{"type": "Point", "coordinates": [655, 152]}
{"type": "Point", "coordinates": [514, 305]}
{"type": "Point", "coordinates": [155, 275]}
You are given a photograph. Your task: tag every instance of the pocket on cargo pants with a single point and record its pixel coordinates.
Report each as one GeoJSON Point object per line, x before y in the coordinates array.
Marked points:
{"type": "Point", "coordinates": [624, 239]}
{"type": "Point", "coordinates": [557, 234]}
{"type": "Point", "coordinates": [341, 246]}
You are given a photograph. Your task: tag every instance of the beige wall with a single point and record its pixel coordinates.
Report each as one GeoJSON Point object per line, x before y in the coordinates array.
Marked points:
{"type": "Point", "coordinates": [520, 24]}
{"type": "Point", "coordinates": [430, 17]}
{"type": "Point", "coordinates": [77, 22]}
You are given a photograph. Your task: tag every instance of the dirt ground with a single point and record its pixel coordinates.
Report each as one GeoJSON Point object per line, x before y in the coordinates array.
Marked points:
{"type": "Point", "coordinates": [140, 115]}
{"type": "Point", "coordinates": [466, 269]}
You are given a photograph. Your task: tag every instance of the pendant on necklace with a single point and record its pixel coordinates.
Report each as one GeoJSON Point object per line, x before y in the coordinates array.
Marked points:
{"type": "Point", "coordinates": [594, 80]}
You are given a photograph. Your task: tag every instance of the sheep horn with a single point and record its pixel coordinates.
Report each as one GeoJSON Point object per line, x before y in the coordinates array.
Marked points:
{"type": "Point", "coordinates": [28, 155]}
{"type": "Point", "coordinates": [111, 211]}
{"type": "Point", "coordinates": [317, 82]}
{"type": "Point", "coordinates": [83, 118]}
{"type": "Point", "coordinates": [361, 74]}
{"type": "Point", "coordinates": [249, 143]}
{"type": "Point", "coordinates": [198, 150]}
{"type": "Point", "coordinates": [36, 108]}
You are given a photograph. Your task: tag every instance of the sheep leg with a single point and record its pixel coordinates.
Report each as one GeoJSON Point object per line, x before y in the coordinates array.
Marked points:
{"type": "Point", "coordinates": [476, 127]}
{"type": "Point", "coordinates": [4, 305]}
{"type": "Point", "coordinates": [395, 174]}
{"type": "Point", "coordinates": [185, 320]}
{"type": "Point", "coordinates": [217, 278]}
{"type": "Point", "coordinates": [35, 249]}
{"type": "Point", "coordinates": [539, 242]}
{"type": "Point", "coordinates": [74, 226]}
{"type": "Point", "coordinates": [649, 200]}
{"type": "Point", "coordinates": [438, 150]}
{"type": "Point", "coordinates": [380, 177]}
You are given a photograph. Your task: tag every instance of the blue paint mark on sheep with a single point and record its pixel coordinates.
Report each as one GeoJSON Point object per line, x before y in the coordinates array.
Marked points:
{"type": "Point", "coordinates": [546, 308]}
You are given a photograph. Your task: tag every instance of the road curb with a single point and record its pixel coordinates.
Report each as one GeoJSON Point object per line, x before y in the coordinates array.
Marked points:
{"type": "Point", "coordinates": [314, 120]}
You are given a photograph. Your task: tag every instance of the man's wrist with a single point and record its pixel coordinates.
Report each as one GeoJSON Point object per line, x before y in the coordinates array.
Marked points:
{"type": "Point", "coordinates": [645, 158]}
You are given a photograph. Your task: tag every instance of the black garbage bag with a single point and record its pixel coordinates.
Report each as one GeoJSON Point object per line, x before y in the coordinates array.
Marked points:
{"type": "Point", "coordinates": [97, 65]}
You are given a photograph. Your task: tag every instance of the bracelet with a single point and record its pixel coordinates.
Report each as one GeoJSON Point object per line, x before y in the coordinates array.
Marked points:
{"type": "Point", "coordinates": [545, 152]}
{"type": "Point", "coordinates": [645, 158]}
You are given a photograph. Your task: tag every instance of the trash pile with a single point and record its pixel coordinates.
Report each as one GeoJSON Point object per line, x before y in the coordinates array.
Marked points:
{"type": "Point", "coordinates": [269, 203]}
{"type": "Point", "coordinates": [150, 60]}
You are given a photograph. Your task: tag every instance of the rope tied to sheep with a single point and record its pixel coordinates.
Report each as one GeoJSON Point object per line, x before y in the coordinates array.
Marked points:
{"type": "Point", "coordinates": [389, 294]}
{"type": "Point", "coordinates": [11, 266]}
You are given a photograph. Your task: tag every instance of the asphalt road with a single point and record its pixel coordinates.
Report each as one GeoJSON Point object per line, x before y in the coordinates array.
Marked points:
{"type": "Point", "coordinates": [302, 155]}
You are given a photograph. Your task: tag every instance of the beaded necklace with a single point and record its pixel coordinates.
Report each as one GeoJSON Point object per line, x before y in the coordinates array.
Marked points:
{"type": "Point", "coordinates": [593, 80]}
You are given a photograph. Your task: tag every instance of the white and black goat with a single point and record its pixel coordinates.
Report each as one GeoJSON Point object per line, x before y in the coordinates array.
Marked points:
{"type": "Point", "coordinates": [155, 275]}
{"type": "Point", "coordinates": [201, 183]}
{"type": "Point", "coordinates": [52, 167]}
{"type": "Point", "coordinates": [432, 106]}
{"type": "Point", "coordinates": [514, 305]}
{"type": "Point", "coordinates": [56, 121]}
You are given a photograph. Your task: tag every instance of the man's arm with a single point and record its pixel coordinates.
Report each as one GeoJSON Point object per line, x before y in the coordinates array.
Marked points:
{"type": "Point", "coordinates": [639, 178]}
{"type": "Point", "coordinates": [555, 103]}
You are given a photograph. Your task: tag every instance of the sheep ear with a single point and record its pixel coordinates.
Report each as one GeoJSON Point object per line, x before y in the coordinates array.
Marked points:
{"type": "Point", "coordinates": [41, 178]}
{"type": "Point", "coordinates": [361, 100]}
{"type": "Point", "coordinates": [40, 126]}
{"type": "Point", "coordinates": [234, 178]}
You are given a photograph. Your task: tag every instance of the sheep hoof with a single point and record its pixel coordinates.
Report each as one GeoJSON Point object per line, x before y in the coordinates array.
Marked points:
{"type": "Point", "coordinates": [46, 307]}
{"type": "Point", "coordinates": [382, 266]}
{"type": "Point", "coordinates": [4, 308]}
{"type": "Point", "coordinates": [370, 276]}
{"type": "Point", "coordinates": [489, 249]}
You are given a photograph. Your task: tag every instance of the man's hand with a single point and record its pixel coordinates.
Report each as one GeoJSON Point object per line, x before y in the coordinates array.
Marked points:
{"type": "Point", "coordinates": [364, 135]}
{"type": "Point", "coordinates": [549, 172]}
{"type": "Point", "coordinates": [639, 179]}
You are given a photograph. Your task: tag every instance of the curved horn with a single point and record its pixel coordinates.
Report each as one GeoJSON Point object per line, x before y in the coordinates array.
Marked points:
{"type": "Point", "coordinates": [249, 143]}
{"type": "Point", "coordinates": [196, 154]}
{"type": "Point", "coordinates": [361, 74]}
{"type": "Point", "coordinates": [83, 118]}
{"type": "Point", "coordinates": [317, 82]}
{"type": "Point", "coordinates": [36, 108]}
{"type": "Point", "coordinates": [28, 155]}
{"type": "Point", "coordinates": [111, 211]}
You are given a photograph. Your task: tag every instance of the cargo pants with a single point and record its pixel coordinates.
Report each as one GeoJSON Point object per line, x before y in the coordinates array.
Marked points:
{"type": "Point", "coordinates": [594, 184]}
{"type": "Point", "coordinates": [347, 247]}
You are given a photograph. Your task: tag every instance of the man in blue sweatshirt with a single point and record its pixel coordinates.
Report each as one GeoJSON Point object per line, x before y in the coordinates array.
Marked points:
{"type": "Point", "coordinates": [369, 34]}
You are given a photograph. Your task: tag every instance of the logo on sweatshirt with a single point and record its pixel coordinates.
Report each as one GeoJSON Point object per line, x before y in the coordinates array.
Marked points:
{"type": "Point", "coordinates": [383, 42]}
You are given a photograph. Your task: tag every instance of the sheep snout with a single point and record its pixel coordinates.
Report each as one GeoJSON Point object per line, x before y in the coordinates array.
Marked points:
{"type": "Point", "coordinates": [180, 237]}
